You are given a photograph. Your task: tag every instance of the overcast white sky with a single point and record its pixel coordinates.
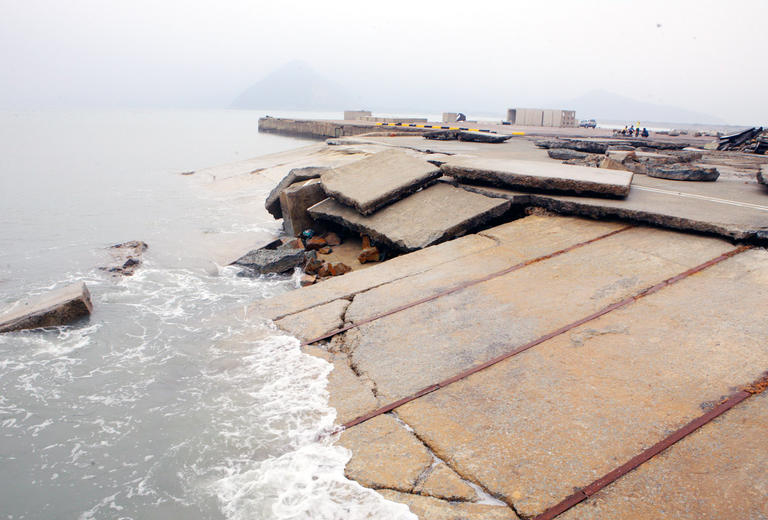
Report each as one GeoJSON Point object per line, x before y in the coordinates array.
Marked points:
{"type": "Point", "coordinates": [707, 56]}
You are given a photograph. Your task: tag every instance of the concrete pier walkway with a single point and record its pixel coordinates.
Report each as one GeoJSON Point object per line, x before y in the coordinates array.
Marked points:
{"type": "Point", "coordinates": [587, 343]}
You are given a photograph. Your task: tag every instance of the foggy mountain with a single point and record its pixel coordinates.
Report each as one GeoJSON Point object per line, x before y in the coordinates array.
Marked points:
{"type": "Point", "coordinates": [599, 104]}
{"type": "Point", "coordinates": [295, 86]}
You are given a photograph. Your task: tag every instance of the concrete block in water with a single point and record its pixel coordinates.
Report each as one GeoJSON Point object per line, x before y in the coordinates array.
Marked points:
{"type": "Point", "coordinates": [58, 307]}
{"type": "Point", "coordinates": [540, 175]}
{"type": "Point", "coordinates": [294, 202]}
{"type": "Point", "coordinates": [380, 179]}
{"type": "Point", "coordinates": [432, 215]}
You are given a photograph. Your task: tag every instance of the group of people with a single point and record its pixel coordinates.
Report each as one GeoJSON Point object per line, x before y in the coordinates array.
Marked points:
{"type": "Point", "coordinates": [630, 131]}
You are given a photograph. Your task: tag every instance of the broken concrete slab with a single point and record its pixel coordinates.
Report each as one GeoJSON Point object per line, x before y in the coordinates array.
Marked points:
{"type": "Point", "coordinates": [272, 203]}
{"type": "Point", "coordinates": [294, 201]}
{"type": "Point", "coordinates": [58, 307]}
{"type": "Point", "coordinates": [577, 145]}
{"type": "Point", "coordinates": [564, 154]}
{"type": "Point", "coordinates": [467, 135]}
{"type": "Point", "coordinates": [378, 180]}
{"type": "Point", "coordinates": [345, 286]}
{"type": "Point", "coordinates": [540, 176]}
{"type": "Point", "coordinates": [348, 394]}
{"type": "Point", "coordinates": [443, 483]}
{"type": "Point", "coordinates": [683, 173]}
{"type": "Point", "coordinates": [316, 321]}
{"type": "Point", "coordinates": [385, 455]}
{"type": "Point", "coordinates": [400, 354]}
{"type": "Point", "coordinates": [729, 208]}
{"type": "Point", "coordinates": [572, 409]}
{"type": "Point", "coordinates": [762, 174]}
{"type": "Point", "coordinates": [432, 215]}
{"type": "Point", "coordinates": [709, 475]}
{"type": "Point", "coordinates": [435, 509]}
{"type": "Point", "coordinates": [266, 261]}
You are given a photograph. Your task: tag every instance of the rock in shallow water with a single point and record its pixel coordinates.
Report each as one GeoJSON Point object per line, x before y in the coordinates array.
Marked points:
{"type": "Point", "coordinates": [265, 261]}
{"type": "Point", "coordinates": [58, 307]}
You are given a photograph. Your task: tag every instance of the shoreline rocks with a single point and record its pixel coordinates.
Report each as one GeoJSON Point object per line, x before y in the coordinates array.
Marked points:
{"type": "Point", "coordinates": [128, 256]}
{"type": "Point", "coordinates": [266, 261]}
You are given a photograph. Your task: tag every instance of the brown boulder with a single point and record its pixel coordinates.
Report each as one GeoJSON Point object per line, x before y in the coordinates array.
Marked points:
{"type": "Point", "coordinates": [325, 250]}
{"type": "Point", "coordinates": [315, 243]}
{"type": "Point", "coordinates": [307, 279]}
{"type": "Point", "coordinates": [332, 239]}
{"type": "Point", "coordinates": [338, 269]}
{"type": "Point", "coordinates": [370, 254]}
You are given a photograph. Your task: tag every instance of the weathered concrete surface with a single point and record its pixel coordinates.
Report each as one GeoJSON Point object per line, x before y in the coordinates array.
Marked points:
{"type": "Point", "coordinates": [434, 509]}
{"type": "Point", "coordinates": [305, 173]}
{"type": "Point", "coordinates": [348, 394]}
{"type": "Point", "coordinates": [425, 344]}
{"type": "Point", "coordinates": [378, 180]}
{"type": "Point", "coordinates": [540, 175]}
{"type": "Point", "coordinates": [762, 174]}
{"type": "Point", "coordinates": [385, 455]}
{"type": "Point", "coordinates": [442, 482]}
{"type": "Point", "coordinates": [351, 283]}
{"type": "Point", "coordinates": [519, 241]}
{"type": "Point", "coordinates": [718, 472]}
{"type": "Point", "coordinates": [730, 209]}
{"type": "Point", "coordinates": [316, 321]}
{"type": "Point", "coordinates": [294, 202]}
{"type": "Point", "coordinates": [466, 135]}
{"type": "Point", "coordinates": [58, 307]}
{"type": "Point", "coordinates": [265, 261]}
{"type": "Point", "coordinates": [683, 173]}
{"type": "Point", "coordinates": [568, 411]}
{"type": "Point", "coordinates": [432, 215]}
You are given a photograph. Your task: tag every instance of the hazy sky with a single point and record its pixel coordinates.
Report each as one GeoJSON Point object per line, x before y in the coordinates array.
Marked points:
{"type": "Point", "coordinates": [707, 56]}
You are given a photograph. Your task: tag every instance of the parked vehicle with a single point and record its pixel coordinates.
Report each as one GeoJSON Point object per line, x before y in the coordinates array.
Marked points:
{"type": "Point", "coordinates": [588, 123]}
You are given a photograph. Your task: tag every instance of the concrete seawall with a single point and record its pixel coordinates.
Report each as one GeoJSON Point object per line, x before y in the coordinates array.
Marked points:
{"type": "Point", "coordinates": [324, 129]}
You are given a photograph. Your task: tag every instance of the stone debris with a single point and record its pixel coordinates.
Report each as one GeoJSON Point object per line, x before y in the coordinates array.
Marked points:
{"type": "Point", "coordinates": [332, 239]}
{"type": "Point", "coordinates": [272, 203]}
{"type": "Point", "coordinates": [127, 256]}
{"type": "Point", "coordinates": [563, 154]}
{"type": "Point", "coordinates": [294, 201]}
{"type": "Point", "coordinates": [315, 242]}
{"type": "Point", "coordinates": [266, 261]}
{"type": "Point", "coordinates": [539, 176]}
{"type": "Point", "coordinates": [612, 164]}
{"type": "Point", "coordinates": [577, 145]}
{"type": "Point", "coordinates": [370, 254]}
{"type": "Point", "coordinates": [325, 250]}
{"type": "Point", "coordinates": [467, 135]}
{"type": "Point", "coordinates": [432, 215]}
{"type": "Point", "coordinates": [684, 173]}
{"type": "Point", "coordinates": [751, 140]}
{"type": "Point", "coordinates": [378, 180]}
{"type": "Point", "coordinates": [307, 279]}
{"type": "Point", "coordinates": [58, 307]}
{"type": "Point", "coordinates": [762, 174]}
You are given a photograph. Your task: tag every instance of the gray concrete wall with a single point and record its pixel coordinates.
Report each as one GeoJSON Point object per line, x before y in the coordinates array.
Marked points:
{"type": "Point", "coordinates": [353, 115]}
{"type": "Point", "coordinates": [324, 129]}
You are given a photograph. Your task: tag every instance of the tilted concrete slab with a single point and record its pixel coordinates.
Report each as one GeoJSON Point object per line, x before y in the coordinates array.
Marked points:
{"type": "Point", "coordinates": [378, 180]}
{"type": "Point", "coordinates": [553, 419]}
{"type": "Point", "coordinates": [732, 209]}
{"type": "Point", "coordinates": [519, 241]}
{"type": "Point", "coordinates": [762, 174]}
{"type": "Point", "coordinates": [432, 215]}
{"type": "Point", "coordinates": [351, 283]}
{"type": "Point", "coordinates": [58, 307]}
{"type": "Point", "coordinates": [718, 472]}
{"type": "Point", "coordinates": [423, 345]}
{"type": "Point", "coordinates": [539, 175]}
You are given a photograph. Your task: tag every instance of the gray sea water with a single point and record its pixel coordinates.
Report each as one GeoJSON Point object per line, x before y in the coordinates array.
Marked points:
{"type": "Point", "coordinates": [165, 403]}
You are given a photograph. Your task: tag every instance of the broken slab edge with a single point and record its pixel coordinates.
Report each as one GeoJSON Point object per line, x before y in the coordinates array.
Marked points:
{"type": "Point", "coordinates": [538, 183]}
{"type": "Point", "coordinates": [61, 313]}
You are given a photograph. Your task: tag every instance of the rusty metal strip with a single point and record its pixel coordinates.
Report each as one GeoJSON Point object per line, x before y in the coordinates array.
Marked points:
{"type": "Point", "coordinates": [464, 285]}
{"type": "Point", "coordinates": [643, 457]}
{"type": "Point", "coordinates": [605, 310]}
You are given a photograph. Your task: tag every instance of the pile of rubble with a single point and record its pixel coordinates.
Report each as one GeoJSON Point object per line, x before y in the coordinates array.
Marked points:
{"type": "Point", "coordinates": [656, 159]}
{"type": "Point", "coordinates": [751, 140]}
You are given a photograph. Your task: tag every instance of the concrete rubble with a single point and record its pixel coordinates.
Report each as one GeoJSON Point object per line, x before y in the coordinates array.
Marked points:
{"type": "Point", "coordinates": [305, 173]}
{"type": "Point", "coordinates": [467, 135]}
{"type": "Point", "coordinates": [684, 173]}
{"type": "Point", "coordinates": [58, 307]}
{"type": "Point", "coordinates": [378, 180]}
{"type": "Point", "coordinates": [539, 175]}
{"type": "Point", "coordinates": [294, 202]}
{"type": "Point", "coordinates": [127, 257]}
{"type": "Point", "coordinates": [266, 261]}
{"type": "Point", "coordinates": [432, 215]}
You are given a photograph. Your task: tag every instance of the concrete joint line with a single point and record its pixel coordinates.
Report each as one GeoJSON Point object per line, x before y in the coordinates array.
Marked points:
{"type": "Point", "coordinates": [465, 285]}
{"type": "Point", "coordinates": [610, 308]}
